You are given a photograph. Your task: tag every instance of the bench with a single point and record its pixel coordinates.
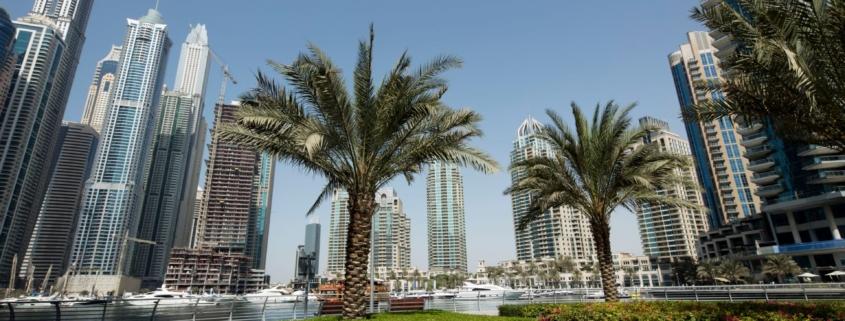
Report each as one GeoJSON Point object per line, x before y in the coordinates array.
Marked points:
{"type": "Point", "coordinates": [407, 305]}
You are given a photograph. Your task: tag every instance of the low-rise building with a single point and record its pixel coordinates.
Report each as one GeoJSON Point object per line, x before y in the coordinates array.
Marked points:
{"type": "Point", "coordinates": [217, 269]}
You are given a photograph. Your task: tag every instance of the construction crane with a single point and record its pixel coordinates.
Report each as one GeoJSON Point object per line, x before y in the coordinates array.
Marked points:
{"type": "Point", "coordinates": [227, 77]}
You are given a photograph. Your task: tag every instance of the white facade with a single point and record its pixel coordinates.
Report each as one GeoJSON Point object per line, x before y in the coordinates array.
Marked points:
{"type": "Point", "coordinates": [99, 92]}
{"type": "Point", "coordinates": [671, 232]}
{"type": "Point", "coordinates": [447, 247]}
{"type": "Point", "coordinates": [558, 232]}
{"type": "Point", "coordinates": [338, 227]}
{"type": "Point", "coordinates": [115, 190]}
{"type": "Point", "coordinates": [194, 63]}
{"type": "Point", "coordinates": [391, 232]}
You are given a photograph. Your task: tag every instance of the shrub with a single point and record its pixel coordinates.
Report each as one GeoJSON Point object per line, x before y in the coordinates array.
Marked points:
{"type": "Point", "coordinates": [680, 311]}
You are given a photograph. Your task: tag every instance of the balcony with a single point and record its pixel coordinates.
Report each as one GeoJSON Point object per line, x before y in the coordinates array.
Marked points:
{"type": "Point", "coordinates": [828, 177]}
{"type": "Point", "coordinates": [770, 191]}
{"type": "Point", "coordinates": [825, 162]}
{"type": "Point", "coordinates": [766, 178]}
{"type": "Point", "coordinates": [812, 246]}
{"type": "Point", "coordinates": [815, 150]}
{"type": "Point", "coordinates": [757, 152]}
{"type": "Point", "coordinates": [761, 164]}
{"type": "Point", "coordinates": [750, 129]}
{"type": "Point", "coordinates": [754, 139]}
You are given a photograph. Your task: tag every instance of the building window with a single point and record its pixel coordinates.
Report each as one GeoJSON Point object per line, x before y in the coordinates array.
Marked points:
{"type": "Point", "coordinates": [823, 234]}
{"type": "Point", "coordinates": [779, 220]}
{"type": "Point", "coordinates": [785, 239]}
{"type": "Point", "coordinates": [805, 236]}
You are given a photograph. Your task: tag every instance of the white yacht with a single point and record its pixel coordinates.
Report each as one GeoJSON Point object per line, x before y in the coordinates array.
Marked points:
{"type": "Point", "coordinates": [276, 294]}
{"type": "Point", "coordinates": [163, 296]}
{"type": "Point", "coordinates": [300, 296]}
{"type": "Point", "coordinates": [486, 291]}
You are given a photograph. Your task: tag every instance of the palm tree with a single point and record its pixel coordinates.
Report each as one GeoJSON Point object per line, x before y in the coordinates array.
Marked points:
{"type": "Point", "coordinates": [788, 68]}
{"type": "Point", "coordinates": [564, 264]}
{"type": "Point", "coordinates": [577, 278]}
{"type": "Point", "coordinates": [708, 271]}
{"type": "Point", "coordinates": [358, 141]}
{"type": "Point", "coordinates": [734, 271]}
{"type": "Point", "coordinates": [494, 273]}
{"type": "Point", "coordinates": [780, 266]}
{"type": "Point", "coordinates": [600, 166]}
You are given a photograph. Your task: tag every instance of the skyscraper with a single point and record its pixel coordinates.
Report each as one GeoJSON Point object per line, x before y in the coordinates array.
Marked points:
{"type": "Point", "coordinates": [176, 159]}
{"type": "Point", "coordinates": [338, 228]}
{"type": "Point", "coordinates": [113, 196]}
{"type": "Point", "coordinates": [237, 196]}
{"type": "Point", "coordinates": [311, 250]}
{"type": "Point", "coordinates": [312, 242]}
{"type": "Point", "coordinates": [99, 92]}
{"type": "Point", "coordinates": [49, 246]}
{"type": "Point", "coordinates": [48, 44]}
{"type": "Point", "coordinates": [559, 232]}
{"type": "Point", "coordinates": [194, 63]}
{"type": "Point", "coordinates": [391, 232]}
{"type": "Point", "coordinates": [669, 233]}
{"type": "Point", "coordinates": [800, 187]}
{"type": "Point", "coordinates": [192, 78]}
{"type": "Point", "coordinates": [447, 247]}
{"type": "Point", "coordinates": [167, 176]}
{"type": "Point", "coordinates": [716, 145]}
{"type": "Point", "coordinates": [7, 55]}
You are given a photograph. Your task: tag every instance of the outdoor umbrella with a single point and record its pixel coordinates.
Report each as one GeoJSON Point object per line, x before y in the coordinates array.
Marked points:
{"type": "Point", "coordinates": [807, 275]}
{"type": "Point", "coordinates": [835, 274]}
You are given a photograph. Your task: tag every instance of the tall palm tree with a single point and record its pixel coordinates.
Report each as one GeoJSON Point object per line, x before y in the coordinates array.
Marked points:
{"type": "Point", "coordinates": [780, 266]}
{"type": "Point", "coordinates": [708, 270]}
{"type": "Point", "coordinates": [734, 271]}
{"type": "Point", "coordinates": [358, 141]}
{"type": "Point", "coordinates": [600, 166]}
{"type": "Point", "coordinates": [788, 68]}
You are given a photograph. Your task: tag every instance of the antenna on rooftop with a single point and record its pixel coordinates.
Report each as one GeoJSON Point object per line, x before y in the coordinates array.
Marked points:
{"type": "Point", "coordinates": [157, 1]}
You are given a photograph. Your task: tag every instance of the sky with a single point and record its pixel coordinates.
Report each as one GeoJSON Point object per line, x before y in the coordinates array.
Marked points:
{"type": "Point", "coordinates": [520, 58]}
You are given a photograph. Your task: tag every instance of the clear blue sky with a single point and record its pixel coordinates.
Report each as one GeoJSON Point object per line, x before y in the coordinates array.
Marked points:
{"type": "Point", "coordinates": [521, 57]}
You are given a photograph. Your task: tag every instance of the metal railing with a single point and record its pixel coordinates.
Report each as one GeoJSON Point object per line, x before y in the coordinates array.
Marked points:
{"type": "Point", "coordinates": [267, 309]}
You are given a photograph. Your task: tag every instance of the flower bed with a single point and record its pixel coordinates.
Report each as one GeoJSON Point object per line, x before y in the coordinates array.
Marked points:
{"type": "Point", "coordinates": [685, 311]}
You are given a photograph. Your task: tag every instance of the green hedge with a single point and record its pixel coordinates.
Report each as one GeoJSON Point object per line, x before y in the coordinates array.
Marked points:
{"type": "Point", "coordinates": [679, 311]}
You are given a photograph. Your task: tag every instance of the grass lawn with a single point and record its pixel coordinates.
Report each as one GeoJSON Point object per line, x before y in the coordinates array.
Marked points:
{"type": "Point", "coordinates": [432, 316]}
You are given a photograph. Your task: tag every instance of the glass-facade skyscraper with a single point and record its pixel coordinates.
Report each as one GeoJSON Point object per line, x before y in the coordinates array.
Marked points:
{"type": "Point", "coordinates": [48, 43]}
{"type": "Point", "coordinates": [447, 242]}
{"type": "Point", "coordinates": [112, 202]}
{"type": "Point", "coordinates": [7, 56]}
{"type": "Point", "coordinates": [176, 157]}
{"type": "Point", "coordinates": [717, 146]}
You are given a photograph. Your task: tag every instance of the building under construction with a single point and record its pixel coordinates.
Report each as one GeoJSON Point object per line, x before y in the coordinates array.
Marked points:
{"type": "Point", "coordinates": [214, 270]}
{"type": "Point", "coordinates": [230, 237]}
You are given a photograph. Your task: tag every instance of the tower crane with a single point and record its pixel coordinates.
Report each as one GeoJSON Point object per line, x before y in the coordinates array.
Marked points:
{"type": "Point", "coordinates": [227, 77]}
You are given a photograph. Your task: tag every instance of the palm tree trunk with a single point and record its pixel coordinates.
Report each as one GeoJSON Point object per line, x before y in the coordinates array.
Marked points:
{"type": "Point", "coordinates": [601, 236]}
{"type": "Point", "coordinates": [355, 283]}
